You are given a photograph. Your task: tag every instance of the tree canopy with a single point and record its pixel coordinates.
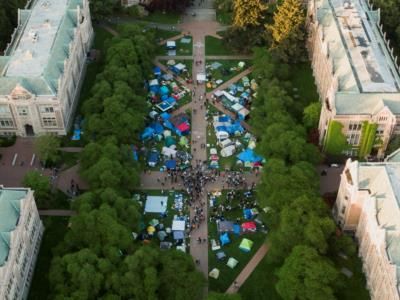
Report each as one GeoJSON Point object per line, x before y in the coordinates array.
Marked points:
{"type": "Point", "coordinates": [47, 148]}
{"type": "Point", "coordinates": [247, 13]}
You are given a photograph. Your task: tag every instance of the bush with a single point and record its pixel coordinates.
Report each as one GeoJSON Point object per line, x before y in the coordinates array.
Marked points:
{"type": "Point", "coordinates": [7, 141]}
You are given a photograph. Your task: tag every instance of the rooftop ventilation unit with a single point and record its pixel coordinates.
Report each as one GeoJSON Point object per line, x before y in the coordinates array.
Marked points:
{"type": "Point", "coordinates": [34, 36]}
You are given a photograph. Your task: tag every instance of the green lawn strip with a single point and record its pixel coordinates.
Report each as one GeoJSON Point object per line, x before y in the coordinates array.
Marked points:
{"type": "Point", "coordinates": [55, 229]}
{"type": "Point", "coordinates": [216, 46]}
{"type": "Point", "coordinates": [303, 80]}
{"type": "Point", "coordinates": [228, 275]}
{"type": "Point", "coordinates": [171, 212]}
{"type": "Point", "coordinates": [261, 283]}
{"type": "Point", "coordinates": [223, 17]}
{"type": "Point", "coordinates": [231, 70]}
{"type": "Point", "coordinates": [355, 286]}
{"type": "Point", "coordinates": [162, 17]}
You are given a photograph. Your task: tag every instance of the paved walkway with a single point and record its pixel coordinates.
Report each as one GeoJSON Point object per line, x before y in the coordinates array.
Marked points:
{"type": "Point", "coordinates": [71, 149]}
{"type": "Point", "coordinates": [57, 212]}
{"type": "Point", "coordinates": [248, 269]}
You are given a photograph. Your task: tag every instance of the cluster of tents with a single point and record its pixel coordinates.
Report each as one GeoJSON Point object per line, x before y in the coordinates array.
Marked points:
{"type": "Point", "coordinates": [212, 77]}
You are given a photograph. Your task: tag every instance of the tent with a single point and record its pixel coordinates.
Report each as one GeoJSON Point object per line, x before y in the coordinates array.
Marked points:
{"type": "Point", "coordinates": [147, 133]}
{"type": "Point", "coordinates": [243, 113]}
{"type": "Point", "coordinates": [221, 135]}
{"type": "Point", "coordinates": [214, 273]}
{"type": "Point", "coordinates": [228, 151]}
{"type": "Point", "coordinates": [152, 160]}
{"type": "Point", "coordinates": [178, 235]}
{"type": "Point", "coordinates": [232, 263]}
{"type": "Point", "coordinates": [220, 255]}
{"type": "Point", "coordinates": [161, 235]}
{"type": "Point", "coordinates": [156, 204]}
{"type": "Point", "coordinates": [154, 222]}
{"type": "Point", "coordinates": [183, 128]}
{"type": "Point", "coordinates": [178, 68]}
{"type": "Point", "coordinates": [157, 71]}
{"type": "Point", "coordinates": [165, 245]}
{"type": "Point", "coordinates": [213, 151]}
{"type": "Point", "coordinates": [247, 213]}
{"type": "Point", "coordinates": [225, 226]}
{"type": "Point", "coordinates": [170, 164]}
{"type": "Point", "coordinates": [236, 107]}
{"type": "Point", "coordinates": [151, 230]}
{"type": "Point", "coordinates": [248, 155]}
{"type": "Point", "coordinates": [183, 141]}
{"type": "Point", "coordinates": [164, 106]}
{"type": "Point", "coordinates": [246, 245]}
{"type": "Point", "coordinates": [164, 90]}
{"type": "Point", "coordinates": [165, 116]}
{"type": "Point", "coordinates": [224, 239]}
{"type": "Point", "coordinates": [158, 129]}
{"type": "Point", "coordinates": [170, 45]}
{"type": "Point", "coordinates": [167, 77]}
{"type": "Point", "coordinates": [178, 225]}
{"type": "Point", "coordinates": [201, 77]}
{"type": "Point", "coordinates": [225, 143]}
{"type": "Point", "coordinates": [236, 229]}
{"type": "Point", "coordinates": [167, 133]}
{"type": "Point", "coordinates": [249, 227]}
{"type": "Point", "coordinates": [168, 152]}
{"type": "Point", "coordinates": [169, 141]}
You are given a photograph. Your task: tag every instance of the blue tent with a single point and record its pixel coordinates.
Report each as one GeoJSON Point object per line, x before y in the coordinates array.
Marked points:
{"type": "Point", "coordinates": [236, 229]}
{"type": "Point", "coordinates": [224, 119]}
{"type": "Point", "coordinates": [164, 97]}
{"type": "Point", "coordinates": [248, 155]}
{"type": "Point", "coordinates": [222, 128]}
{"type": "Point", "coordinates": [178, 235]}
{"type": "Point", "coordinates": [224, 239]}
{"type": "Point", "coordinates": [168, 125]}
{"type": "Point", "coordinates": [170, 100]}
{"type": "Point", "coordinates": [170, 164]}
{"type": "Point", "coordinates": [164, 90]}
{"type": "Point", "coordinates": [247, 213]}
{"type": "Point", "coordinates": [158, 129]}
{"type": "Point", "coordinates": [157, 71]}
{"type": "Point", "coordinates": [153, 158]}
{"type": "Point", "coordinates": [148, 132]}
{"type": "Point", "coordinates": [165, 116]}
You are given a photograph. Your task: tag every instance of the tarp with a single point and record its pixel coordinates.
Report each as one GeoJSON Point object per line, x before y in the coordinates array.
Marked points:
{"type": "Point", "coordinates": [178, 235]}
{"type": "Point", "coordinates": [178, 225]}
{"type": "Point", "coordinates": [165, 245]}
{"type": "Point", "coordinates": [170, 164]}
{"type": "Point", "coordinates": [247, 213]}
{"type": "Point", "coordinates": [157, 71]}
{"type": "Point", "coordinates": [249, 226]}
{"type": "Point", "coordinates": [153, 82]}
{"type": "Point", "coordinates": [147, 133]}
{"type": "Point", "coordinates": [167, 77]}
{"type": "Point", "coordinates": [170, 100]}
{"type": "Point", "coordinates": [164, 106]}
{"type": "Point", "coordinates": [248, 155]}
{"type": "Point", "coordinates": [225, 226]}
{"type": "Point", "coordinates": [170, 44]}
{"type": "Point", "coordinates": [201, 77]}
{"type": "Point", "coordinates": [169, 140]}
{"type": "Point", "coordinates": [161, 235]}
{"type": "Point", "coordinates": [183, 141]}
{"type": "Point", "coordinates": [152, 159]}
{"type": "Point", "coordinates": [156, 204]}
{"type": "Point", "coordinates": [165, 116]}
{"type": "Point", "coordinates": [77, 135]}
{"type": "Point", "coordinates": [158, 128]}
{"type": "Point", "coordinates": [224, 239]}
{"type": "Point", "coordinates": [236, 229]}
{"type": "Point", "coordinates": [180, 66]}
{"type": "Point", "coordinates": [220, 255]}
{"type": "Point", "coordinates": [237, 107]}
{"type": "Point", "coordinates": [246, 245]}
{"type": "Point", "coordinates": [214, 273]}
{"type": "Point", "coordinates": [232, 262]}
{"type": "Point", "coordinates": [215, 65]}
{"type": "Point", "coordinates": [168, 152]}
{"type": "Point", "coordinates": [228, 151]}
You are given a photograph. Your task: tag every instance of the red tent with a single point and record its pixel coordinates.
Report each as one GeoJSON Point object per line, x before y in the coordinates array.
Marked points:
{"type": "Point", "coordinates": [249, 226]}
{"type": "Point", "coordinates": [183, 127]}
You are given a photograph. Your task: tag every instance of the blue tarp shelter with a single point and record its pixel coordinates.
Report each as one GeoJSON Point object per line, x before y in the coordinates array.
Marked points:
{"type": "Point", "coordinates": [152, 159]}
{"type": "Point", "coordinates": [164, 106]}
{"type": "Point", "coordinates": [170, 164]}
{"type": "Point", "coordinates": [170, 100]}
{"type": "Point", "coordinates": [148, 132]}
{"type": "Point", "coordinates": [157, 127]}
{"type": "Point", "coordinates": [248, 155]}
{"type": "Point", "coordinates": [77, 135]}
{"type": "Point", "coordinates": [164, 97]}
{"type": "Point", "coordinates": [247, 213]}
{"type": "Point", "coordinates": [224, 239]}
{"type": "Point", "coordinates": [168, 125]}
{"type": "Point", "coordinates": [157, 71]}
{"type": "Point", "coordinates": [178, 235]}
{"type": "Point", "coordinates": [224, 119]}
{"type": "Point", "coordinates": [165, 116]}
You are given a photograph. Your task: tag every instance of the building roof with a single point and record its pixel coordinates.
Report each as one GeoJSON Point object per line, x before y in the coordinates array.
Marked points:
{"type": "Point", "coordinates": [36, 57]}
{"type": "Point", "coordinates": [10, 205]}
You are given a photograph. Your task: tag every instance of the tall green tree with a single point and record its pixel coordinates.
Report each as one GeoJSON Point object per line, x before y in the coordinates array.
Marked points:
{"type": "Point", "coordinates": [40, 184]}
{"type": "Point", "coordinates": [311, 115]}
{"type": "Point", "coordinates": [287, 32]}
{"type": "Point", "coordinates": [306, 275]}
{"type": "Point", "coordinates": [47, 148]}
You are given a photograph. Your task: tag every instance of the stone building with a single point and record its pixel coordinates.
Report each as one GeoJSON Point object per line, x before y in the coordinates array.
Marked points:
{"type": "Point", "coordinates": [356, 73]}
{"type": "Point", "coordinates": [21, 231]}
{"type": "Point", "coordinates": [43, 67]}
{"type": "Point", "coordinates": [368, 205]}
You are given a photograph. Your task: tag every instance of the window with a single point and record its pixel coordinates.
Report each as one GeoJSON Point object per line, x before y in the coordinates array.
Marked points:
{"type": "Point", "coordinates": [4, 109]}
{"type": "Point", "coordinates": [46, 109]}
{"type": "Point", "coordinates": [353, 139]}
{"type": "Point", "coordinates": [6, 122]}
{"type": "Point", "coordinates": [343, 210]}
{"type": "Point", "coordinates": [19, 253]}
{"type": "Point", "coordinates": [49, 122]}
{"type": "Point", "coordinates": [354, 126]}
{"type": "Point", "coordinates": [23, 110]}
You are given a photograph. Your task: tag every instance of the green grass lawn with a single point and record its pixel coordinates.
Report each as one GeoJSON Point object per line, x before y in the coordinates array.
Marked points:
{"type": "Point", "coordinates": [231, 68]}
{"type": "Point", "coordinates": [228, 275]}
{"type": "Point", "coordinates": [181, 48]}
{"type": "Point", "coordinates": [303, 79]}
{"type": "Point", "coordinates": [161, 34]}
{"type": "Point", "coordinates": [216, 46]}
{"type": "Point", "coordinates": [55, 229]}
{"type": "Point", "coordinates": [225, 18]}
{"type": "Point", "coordinates": [162, 18]}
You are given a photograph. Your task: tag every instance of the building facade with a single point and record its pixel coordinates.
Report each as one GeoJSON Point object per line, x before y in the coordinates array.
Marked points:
{"type": "Point", "coordinates": [356, 73]}
{"type": "Point", "coordinates": [43, 67]}
{"type": "Point", "coordinates": [21, 232]}
{"type": "Point", "coordinates": [367, 204]}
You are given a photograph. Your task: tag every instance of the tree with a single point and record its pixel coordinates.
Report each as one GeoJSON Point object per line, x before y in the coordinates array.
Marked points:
{"type": "Point", "coordinates": [47, 148]}
{"type": "Point", "coordinates": [100, 9]}
{"type": "Point", "coordinates": [287, 31]}
{"type": "Point", "coordinates": [220, 296]}
{"type": "Point", "coordinates": [305, 275]}
{"type": "Point", "coordinates": [311, 115]}
{"type": "Point", "coordinates": [247, 13]}
{"type": "Point", "coordinates": [40, 184]}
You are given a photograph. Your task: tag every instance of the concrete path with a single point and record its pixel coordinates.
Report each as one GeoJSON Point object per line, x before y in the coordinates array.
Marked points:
{"type": "Point", "coordinates": [71, 149]}
{"type": "Point", "coordinates": [248, 269]}
{"type": "Point", "coordinates": [228, 57]}
{"type": "Point", "coordinates": [63, 181]}
{"type": "Point", "coordinates": [57, 213]}
{"type": "Point", "coordinates": [176, 57]}
{"type": "Point", "coordinates": [173, 38]}
{"type": "Point", "coordinates": [106, 27]}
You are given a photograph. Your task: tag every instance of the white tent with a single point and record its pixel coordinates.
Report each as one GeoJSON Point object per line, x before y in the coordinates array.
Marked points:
{"type": "Point", "coordinates": [237, 107]}
{"type": "Point", "coordinates": [214, 273]}
{"type": "Point", "coordinates": [167, 133]}
{"type": "Point", "coordinates": [171, 44]}
{"type": "Point", "coordinates": [153, 82]}
{"type": "Point", "coordinates": [225, 143]}
{"type": "Point", "coordinates": [180, 67]}
{"type": "Point", "coordinates": [230, 97]}
{"type": "Point", "coordinates": [243, 112]}
{"type": "Point", "coordinates": [221, 135]}
{"type": "Point", "coordinates": [218, 93]}
{"type": "Point", "coordinates": [156, 204]}
{"type": "Point", "coordinates": [228, 151]}
{"type": "Point", "coordinates": [201, 77]}
{"type": "Point", "coordinates": [178, 225]}
{"type": "Point", "coordinates": [168, 152]}
{"type": "Point", "coordinates": [213, 151]}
